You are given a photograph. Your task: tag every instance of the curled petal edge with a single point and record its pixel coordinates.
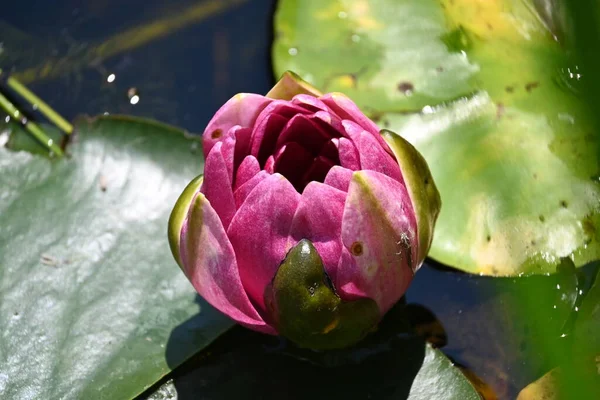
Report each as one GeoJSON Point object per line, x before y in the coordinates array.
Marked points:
{"type": "Point", "coordinates": [179, 214]}
{"type": "Point", "coordinates": [289, 85]}
{"type": "Point", "coordinates": [421, 188]}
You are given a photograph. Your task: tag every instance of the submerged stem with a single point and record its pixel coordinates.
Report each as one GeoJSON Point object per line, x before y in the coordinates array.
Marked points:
{"type": "Point", "coordinates": [30, 126]}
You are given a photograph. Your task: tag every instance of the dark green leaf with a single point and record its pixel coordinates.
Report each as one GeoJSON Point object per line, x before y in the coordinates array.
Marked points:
{"type": "Point", "coordinates": [90, 295]}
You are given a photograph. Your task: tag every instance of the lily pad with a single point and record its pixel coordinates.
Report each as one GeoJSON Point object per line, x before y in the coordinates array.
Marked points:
{"type": "Point", "coordinates": [89, 292]}
{"type": "Point", "coordinates": [491, 100]}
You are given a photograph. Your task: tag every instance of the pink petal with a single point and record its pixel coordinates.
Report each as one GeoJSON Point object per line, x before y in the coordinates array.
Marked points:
{"type": "Point", "coordinates": [264, 136]}
{"type": "Point", "coordinates": [303, 130]}
{"type": "Point", "coordinates": [330, 121]}
{"type": "Point", "coordinates": [247, 169]}
{"type": "Point", "coordinates": [270, 165]}
{"type": "Point", "coordinates": [339, 178]}
{"type": "Point", "coordinates": [259, 233]}
{"type": "Point", "coordinates": [244, 190]}
{"type": "Point", "coordinates": [319, 219]}
{"type": "Point", "coordinates": [217, 185]}
{"type": "Point", "coordinates": [379, 234]}
{"type": "Point", "coordinates": [228, 151]}
{"type": "Point", "coordinates": [242, 144]}
{"type": "Point", "coordinates": [310, 103]}
{"type": "Point", "coordinates": [210, 264]}
{"type": "Point", "coordinates": [372, 155]}
{"type": "Point", "coordinates": [242, 109]}
{"type": "Point", "coordinates": [347, 109]}
{"type": "Point", "coordinates": [348, 154]}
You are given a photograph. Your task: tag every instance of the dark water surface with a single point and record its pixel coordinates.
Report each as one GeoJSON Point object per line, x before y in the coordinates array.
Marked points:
{"type": "Point", "coordinates": [182, 77]}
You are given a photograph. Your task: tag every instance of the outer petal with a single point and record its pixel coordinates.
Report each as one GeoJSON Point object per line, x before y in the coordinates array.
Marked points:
{"type": "Point", "coordinates": [421, 187]}
{"type": "Point", "coordinates": [344, 107]}
{"type": "Point", "coordinates": [217, 184]}
{"type": "Point", "coordinates": [380, 238]}
{"type": "Point", "coordinates": [244, 190]}
{"type": "Point", "coordinates": [290, 85]}
{"type": "Point", "coordinates": [242, 109]}
{"type": "Point", "coordinates": [373, 156]}
{"type": "Point", "coordinates": [210, 264]}
{"type": "Point", "coordinates": [179, 215]}
{"type": "Point", "coordinates": [319, 219]}
{"type": "Point", "coordinates": [259, 233]}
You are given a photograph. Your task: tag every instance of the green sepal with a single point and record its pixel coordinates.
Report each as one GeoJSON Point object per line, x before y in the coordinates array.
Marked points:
{"type": "Point", "coordinates": [179, 213]}
{"type": "Point", "coordinates": [420, 185]}
{"type": "Point", "coordinates": [306, 309]}
{"type": "Point", "coordinates": [289, 85]}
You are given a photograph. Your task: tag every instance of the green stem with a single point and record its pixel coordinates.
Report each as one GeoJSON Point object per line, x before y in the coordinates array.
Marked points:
{"type": "Point", "coordinates": [40, 104]}
{"type": "Point", "coordinates": [31, 127]}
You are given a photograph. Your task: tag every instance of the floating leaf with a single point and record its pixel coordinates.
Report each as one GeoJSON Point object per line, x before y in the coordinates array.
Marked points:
{"type": "Point", "coordinates": [491, 100]}
{"type": "Point", "coordinates": [92, 303]}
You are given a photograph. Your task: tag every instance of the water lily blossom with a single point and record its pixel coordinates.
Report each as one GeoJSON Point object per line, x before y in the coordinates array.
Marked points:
{"type": "Point", "coordinates": [309, 221]}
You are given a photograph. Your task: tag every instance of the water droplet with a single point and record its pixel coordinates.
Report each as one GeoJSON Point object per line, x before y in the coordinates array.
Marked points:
{"type": "Point", "coordinates": [34, 106]}
{"type": "Point", "coordinates": [427, 110]}
{"type": "Point", "coordinates": [133, 95]}
{"type": "Point", "coordinates": [558, 286]}
{"type": "Point", "coordinates": [292, 51]}
{"type": "Point", "coordinates": [50, 142]}
{"type": "Point", "coordinates": [111, 78]}
{"type": "Point", "coordinates": [355, 38]}
{"type": "Point", "coordinates": [576, 308]}
{"type": "Point", "coordinates": [7, 119]}
{"type": "Point", "coordinates": [342, 14]}
{"type": "Point", "coordinates": [555, 306]}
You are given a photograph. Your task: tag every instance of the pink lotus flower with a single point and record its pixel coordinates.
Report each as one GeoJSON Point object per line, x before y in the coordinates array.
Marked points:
{"type": "Point", "coordinates": [309, 222]}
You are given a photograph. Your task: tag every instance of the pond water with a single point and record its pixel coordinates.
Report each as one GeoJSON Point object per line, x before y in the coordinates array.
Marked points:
{"type": "Point", "coordinates": [75, 56]}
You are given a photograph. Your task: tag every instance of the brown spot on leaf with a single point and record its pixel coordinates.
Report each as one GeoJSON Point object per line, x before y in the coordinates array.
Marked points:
{"type": "Point", "coordinates": [406, 87]}
{"type": "Point", "coordinates": [356, 249]}
{"type": "Point", "coordinates": [216, 134]}
{"type": "Point", "coordinates": [509, 89]}
{"type": "Point", "coordinates": [531, 85]}
{"type": "Point", "coordinates": [542, 218]}
{"type": "Point", "coordinates": [563, 204]}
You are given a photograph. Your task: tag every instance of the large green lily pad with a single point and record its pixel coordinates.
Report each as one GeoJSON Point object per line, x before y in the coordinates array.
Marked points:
{"type": "Point", "coordinates": [92, 304]}
{"type": "Point", "coordinates": [491, 100]}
